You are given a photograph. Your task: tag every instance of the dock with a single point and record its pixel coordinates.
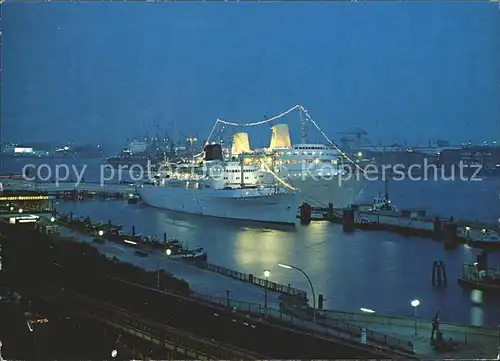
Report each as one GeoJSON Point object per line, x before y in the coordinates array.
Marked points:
{"type": "Point", "coordinates": [480, 276]}
{"type": "Point", "coordinates": [409, 222]}
{"type": "Point", "coordinates": [87, 227]}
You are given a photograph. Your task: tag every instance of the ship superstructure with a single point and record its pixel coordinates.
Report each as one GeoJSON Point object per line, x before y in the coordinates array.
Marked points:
{"type": "Point", "coordinates": [220, 188]}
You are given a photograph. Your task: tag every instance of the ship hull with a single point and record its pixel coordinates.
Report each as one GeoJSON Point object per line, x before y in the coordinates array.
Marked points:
{"type": "Point", "coordinates": [318, 191]}
{"type": "Point", "coordinates": [239, 204]}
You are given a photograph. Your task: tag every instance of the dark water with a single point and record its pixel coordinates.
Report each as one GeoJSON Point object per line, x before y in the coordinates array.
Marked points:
{"type": "Point", "coordinates": [376, 270]}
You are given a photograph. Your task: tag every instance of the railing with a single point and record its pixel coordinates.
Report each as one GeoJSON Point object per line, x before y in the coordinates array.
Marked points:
{"type": "Point", "coordinates": [324, 325]}
{"type": "Point", "coordinates": [250, 278]}
{"type": "Point", "coordinates": [366, 319]}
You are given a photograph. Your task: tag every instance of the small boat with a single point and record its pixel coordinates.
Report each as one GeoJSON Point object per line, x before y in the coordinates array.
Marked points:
{"type": "Point", "coordinates": [133, 199]}
{"type": "Point", "coordinates": [197, 255]}
{"type": "Point", "coordinates": [487, 240]}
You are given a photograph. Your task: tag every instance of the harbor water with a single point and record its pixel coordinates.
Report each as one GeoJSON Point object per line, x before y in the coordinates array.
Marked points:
{"type": "Point", "coordinates": [376, 270]}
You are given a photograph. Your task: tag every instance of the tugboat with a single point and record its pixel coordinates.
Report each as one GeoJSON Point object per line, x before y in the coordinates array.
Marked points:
{"type": "Point", "coordinates": [383, 203]}
{"type": "Point", "coordinates": [181, 253]}
{"type": "Point", "coordinates": [489, 239]}
{"type": "Point", "coordinates": [196, 255]}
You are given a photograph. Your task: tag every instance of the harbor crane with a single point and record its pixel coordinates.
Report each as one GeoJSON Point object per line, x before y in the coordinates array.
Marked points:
{"type": "Point", "coordinates": [356, 137]}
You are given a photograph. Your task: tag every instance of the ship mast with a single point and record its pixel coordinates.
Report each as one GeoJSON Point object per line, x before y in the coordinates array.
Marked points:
{"type": "Point", "coordinates": [303, 132]}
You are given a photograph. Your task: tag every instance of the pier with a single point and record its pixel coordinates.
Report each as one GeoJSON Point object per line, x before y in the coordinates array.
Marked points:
{"type": "Point", "coordinates": [104, 230]}
{"type": "Point", "coordinates": [480, 276]}
{"type": "Point", "coordinates": [410, 222]}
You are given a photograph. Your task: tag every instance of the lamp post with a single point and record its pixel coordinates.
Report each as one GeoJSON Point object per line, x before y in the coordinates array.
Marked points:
{"type": "Point", "coordinates": [310, 284]}
{"type": "Point", "coordinates": [52, 219]}
{"type": "Point", "coordinates": [415, 304]}
{"type": "Point", "coordinates": [168, 252]}
{"type": "Point", "coordinates": [101, 233]}
{"type": "Point", "coordinates": [498, 343]}
{"type": "Point", "coordinates": [266, 276]}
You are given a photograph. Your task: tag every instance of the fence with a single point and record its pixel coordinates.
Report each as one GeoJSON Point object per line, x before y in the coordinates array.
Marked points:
{"type": "Point", "coordinates": [250, 278]}
{"type": "Point", "coordinates": [410, 322]}
{"type": "Point", "coordinates": [325, 326]}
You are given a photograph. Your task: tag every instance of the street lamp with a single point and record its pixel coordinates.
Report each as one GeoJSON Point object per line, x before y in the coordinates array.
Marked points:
{"type": "Point", "coordinates": [52, 219]}
{"type": "Point", "coordinates": [20, 210]}
{"type": "Point", "coordinates": [498, 343]}
{"type": "Point", "coordinates": [467, 229]}
{"type": "Point", "coordinates": [168, 252]}
{"type": "Point", "coordinates": [415, 304]}
{"type": "Point", "coordinates": [266, 276]}
{"type": "Point", "coordinates": [310, 284]}
{"type": "Point", "coordinates": [101, 233]}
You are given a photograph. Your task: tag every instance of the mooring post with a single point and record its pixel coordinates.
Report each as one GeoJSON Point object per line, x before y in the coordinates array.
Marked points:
{"type": "Point", "coordinates": [434, 269]}
{"type": "Point", "coordinates": [443, 270]}
{"type": "Point", "coordinates": [330, 212]}
{"type": "Point", "coordinates": [348, 220]}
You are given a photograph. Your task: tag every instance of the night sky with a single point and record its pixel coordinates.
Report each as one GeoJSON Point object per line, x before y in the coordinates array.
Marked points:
{"type": "Point", "coordinates": [105, 72]}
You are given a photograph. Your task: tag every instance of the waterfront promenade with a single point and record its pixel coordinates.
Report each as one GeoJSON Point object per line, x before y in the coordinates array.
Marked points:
{"type": "Point", "coordinates": [473, 342]}
{"type": "Point", "coordinates": [200, 280]}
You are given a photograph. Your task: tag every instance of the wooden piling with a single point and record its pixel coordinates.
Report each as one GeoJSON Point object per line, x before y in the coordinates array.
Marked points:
{"type": "Point", "coordinates": [348, 224]}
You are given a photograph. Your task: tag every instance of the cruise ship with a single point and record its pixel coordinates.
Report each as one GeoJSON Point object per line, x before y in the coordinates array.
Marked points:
{"type": "Point", "coordinates": [316, 170]}
{"type": "Point", "coordinates": [225, 189]}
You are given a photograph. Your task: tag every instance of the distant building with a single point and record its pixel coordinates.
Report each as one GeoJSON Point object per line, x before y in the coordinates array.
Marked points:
{"type": "Point", "coordinates": [20, 149]}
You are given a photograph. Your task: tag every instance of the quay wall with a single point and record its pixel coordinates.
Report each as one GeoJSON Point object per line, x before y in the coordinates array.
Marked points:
{"type": "Point", "coordinates": [20, 185]}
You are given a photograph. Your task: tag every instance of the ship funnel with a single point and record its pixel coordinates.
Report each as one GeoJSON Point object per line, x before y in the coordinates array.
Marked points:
{"type": "Point", "coordinates": [280, 137]}
{"type": "Point", "coordinates": [212, 152]}
{"type": "Point", "coordinates": [241, 144]}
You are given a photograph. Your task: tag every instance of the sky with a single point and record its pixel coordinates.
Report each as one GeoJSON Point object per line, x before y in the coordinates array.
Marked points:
{"type": "Point", "coordinates": [104, 72]}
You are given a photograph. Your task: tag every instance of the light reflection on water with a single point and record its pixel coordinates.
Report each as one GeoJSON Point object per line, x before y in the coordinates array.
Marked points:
{"type": "Point", "coordinates": [377, 270]}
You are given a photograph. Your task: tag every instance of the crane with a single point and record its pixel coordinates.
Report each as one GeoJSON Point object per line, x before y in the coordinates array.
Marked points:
{"type": "Point", "coordinates": [190, 140]}
{"type": "Point", "coordinates": [357, 136]}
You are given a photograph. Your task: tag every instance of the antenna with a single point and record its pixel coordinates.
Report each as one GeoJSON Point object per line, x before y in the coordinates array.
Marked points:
{"type": "Point", "coordinates": [386, 189]}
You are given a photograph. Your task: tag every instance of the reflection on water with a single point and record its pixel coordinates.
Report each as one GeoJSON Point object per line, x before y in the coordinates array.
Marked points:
{"type": "Point", "coordinates": [257, 250]}
{"type": "Point", "coordinates": [376, 270]}
{"type": "Point", "coordinates": [476, 316]}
